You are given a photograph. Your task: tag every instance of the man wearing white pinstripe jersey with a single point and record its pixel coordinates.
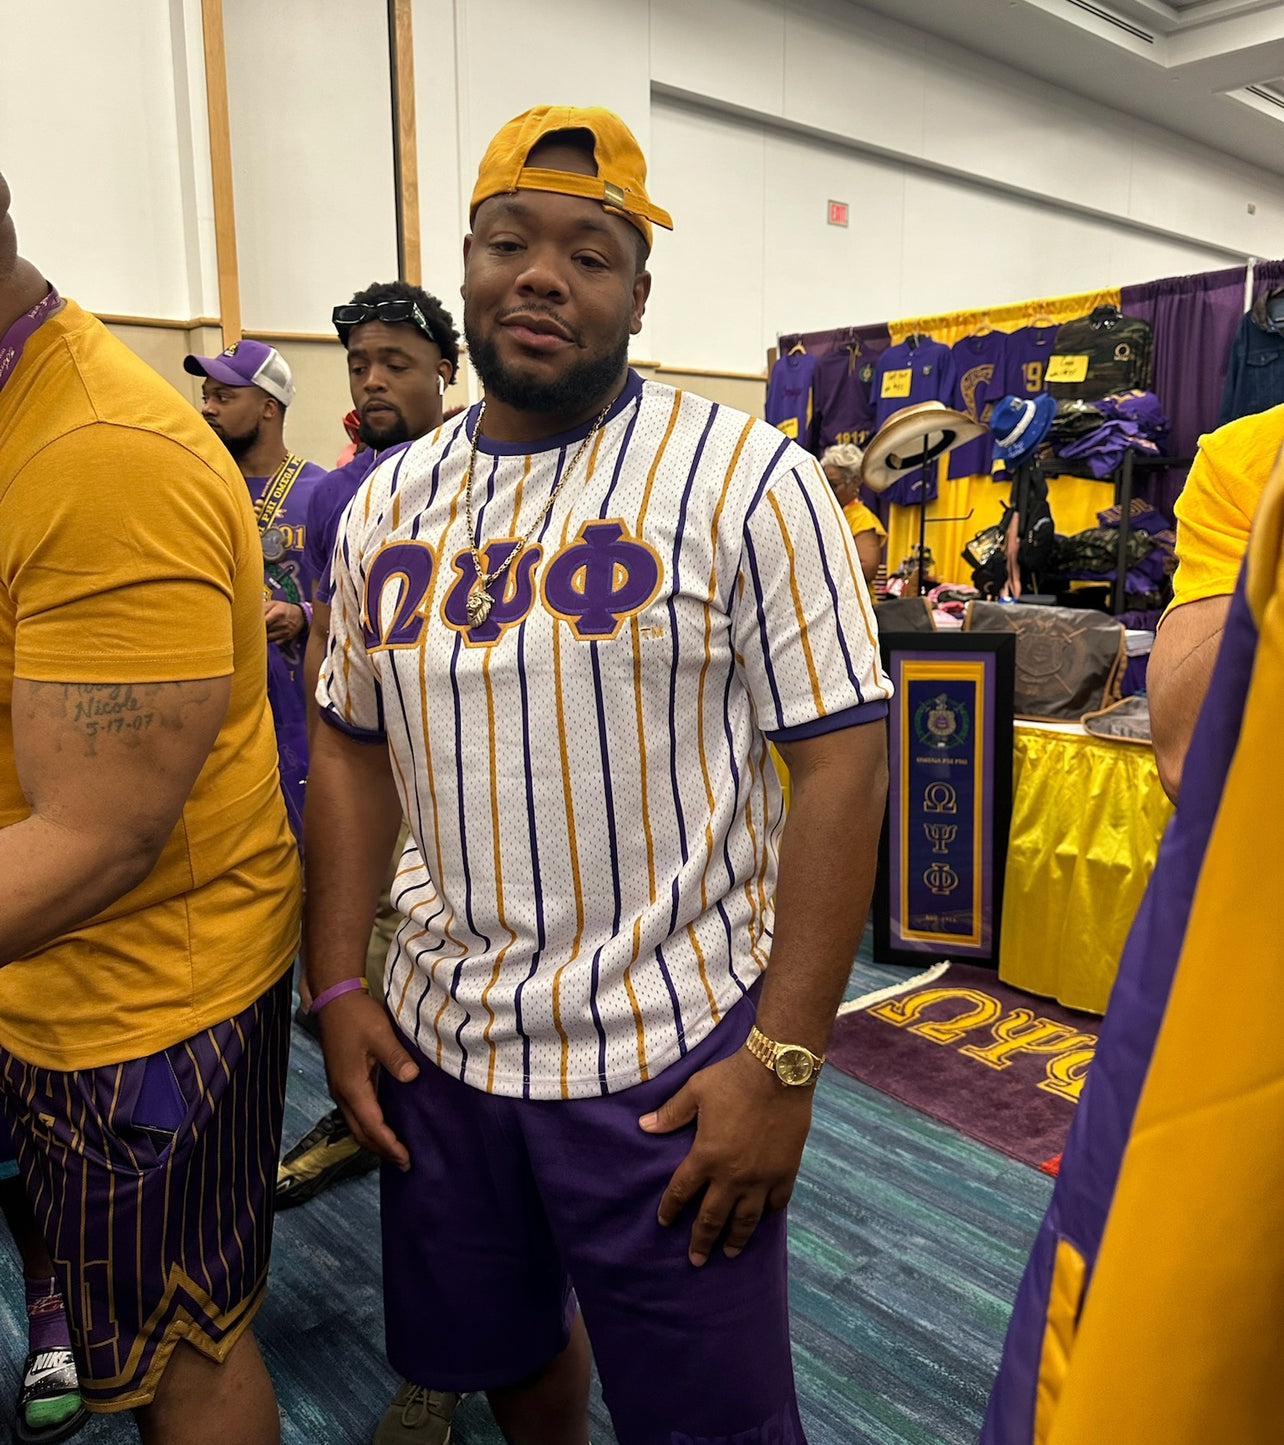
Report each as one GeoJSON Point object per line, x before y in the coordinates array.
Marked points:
{"type": "Point", "coordinates": [565, 627]}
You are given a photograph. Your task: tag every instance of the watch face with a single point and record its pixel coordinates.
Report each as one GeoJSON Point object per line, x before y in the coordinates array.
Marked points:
{"type": "Point", "coordinates": [794, 1065]}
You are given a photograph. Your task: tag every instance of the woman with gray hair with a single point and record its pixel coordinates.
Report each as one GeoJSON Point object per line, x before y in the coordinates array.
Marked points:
{"type": "Point", "coordinates": [841, 466]}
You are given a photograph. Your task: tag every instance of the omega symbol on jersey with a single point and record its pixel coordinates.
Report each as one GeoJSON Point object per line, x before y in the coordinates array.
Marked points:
{"type": "Point", "coordinates": [514, 596]}
{"type": "Point", "coordinates": [407, 567]}
{"type": "Point", "coordinates": [603, 578]}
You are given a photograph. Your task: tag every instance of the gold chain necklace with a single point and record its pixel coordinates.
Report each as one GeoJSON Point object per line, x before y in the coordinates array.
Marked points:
{"type": "Point", "coordinates": [480, 596]}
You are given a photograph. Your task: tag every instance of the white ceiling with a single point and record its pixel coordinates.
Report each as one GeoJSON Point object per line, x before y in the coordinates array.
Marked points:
{"type": "Point", "coordinates": [1186, 65]}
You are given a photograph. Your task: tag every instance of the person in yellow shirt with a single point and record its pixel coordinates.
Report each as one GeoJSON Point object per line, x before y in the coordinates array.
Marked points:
{"type": "Point", "coordinates": [841, 466]}
{"type": "Point", "coordinates": [1214, 514]}
{"type": "Point", "coordinates": [149, 910]}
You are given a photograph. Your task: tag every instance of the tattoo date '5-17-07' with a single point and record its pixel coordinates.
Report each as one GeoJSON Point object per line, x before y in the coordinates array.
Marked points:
{"type": "Point", "coordinates": [94, 711]}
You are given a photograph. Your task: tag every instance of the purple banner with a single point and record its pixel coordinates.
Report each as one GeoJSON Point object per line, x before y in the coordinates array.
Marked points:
{"type": "Point", "coordinates": [941, 823]}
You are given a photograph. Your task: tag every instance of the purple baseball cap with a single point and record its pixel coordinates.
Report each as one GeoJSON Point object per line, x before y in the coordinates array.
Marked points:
{"type": "Point", "coordinates": [247, 363]}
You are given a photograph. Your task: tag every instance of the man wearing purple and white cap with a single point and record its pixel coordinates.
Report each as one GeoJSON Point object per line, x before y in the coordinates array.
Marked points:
{"type": "Point", "coordinates": [244, 397]}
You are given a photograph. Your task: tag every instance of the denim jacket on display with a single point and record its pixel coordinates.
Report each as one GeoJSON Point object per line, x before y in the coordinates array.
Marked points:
{"type": "Point", "coordinates": [1254, 373]}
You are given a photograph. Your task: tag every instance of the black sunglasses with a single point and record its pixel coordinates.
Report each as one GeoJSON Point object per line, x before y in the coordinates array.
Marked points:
{"type": "Point", "coordinates": [344, 318]}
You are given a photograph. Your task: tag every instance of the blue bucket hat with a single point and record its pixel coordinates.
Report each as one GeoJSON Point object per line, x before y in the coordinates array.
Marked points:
{"type": "Point", "coordinates": [1019, 424]}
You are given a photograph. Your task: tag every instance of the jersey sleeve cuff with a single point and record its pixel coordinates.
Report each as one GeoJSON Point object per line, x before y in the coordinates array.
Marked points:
{"type": "Point", "coordinates": [340, 724]}
{"type": "Point", "coordinates": [865, 712]}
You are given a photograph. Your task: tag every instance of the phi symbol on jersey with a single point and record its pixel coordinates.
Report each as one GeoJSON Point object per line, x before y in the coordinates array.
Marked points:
{"type": "Point", "coordinates": [600, 580]}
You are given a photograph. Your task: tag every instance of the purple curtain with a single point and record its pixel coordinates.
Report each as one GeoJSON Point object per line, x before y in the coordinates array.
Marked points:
{"type": "Point", "coordinates": [1194, 320]}
{"type": "Point", "coordinates": [820, 342]}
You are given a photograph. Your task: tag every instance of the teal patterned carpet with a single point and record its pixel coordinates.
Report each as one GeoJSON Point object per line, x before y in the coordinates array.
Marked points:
{"type": "Point", "coordinates": [908, 1240]}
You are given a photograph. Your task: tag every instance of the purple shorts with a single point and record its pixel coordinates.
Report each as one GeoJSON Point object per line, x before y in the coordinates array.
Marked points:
{"type": "Point", "coordinates": [511, 1203]}
{"type": "Point", "coordinates": [152, 1182]}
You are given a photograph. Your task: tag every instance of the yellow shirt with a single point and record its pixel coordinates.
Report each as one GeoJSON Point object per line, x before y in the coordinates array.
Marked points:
{"type": "Point", "coordinates": [1216, 506]}
{"type": "Point", "coordinates": [129, 553]}
{"type": "Point", "coordinates": [861, 519]}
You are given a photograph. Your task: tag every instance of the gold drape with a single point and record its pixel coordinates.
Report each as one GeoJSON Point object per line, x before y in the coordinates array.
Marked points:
{"type": "Point", "coordinates": [1087, 817]}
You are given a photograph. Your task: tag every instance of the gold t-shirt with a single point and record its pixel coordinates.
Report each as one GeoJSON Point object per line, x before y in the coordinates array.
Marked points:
{"type": "Point", "coordinates": [129, 553]}
{"type": "Point", "coordinates": [861, 519]}
{"type": "Point", "coordinates": [1216, 506]}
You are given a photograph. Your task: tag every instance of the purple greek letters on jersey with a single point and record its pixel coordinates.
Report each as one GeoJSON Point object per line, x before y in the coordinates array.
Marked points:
{"type": "Point", "coordinates": [513, 595]}
{"type": "Point", "coordinates": [601, 580]}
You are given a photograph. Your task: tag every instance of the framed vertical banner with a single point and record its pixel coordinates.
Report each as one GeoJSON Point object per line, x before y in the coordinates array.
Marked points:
{"type": "Point", "coordinates": [939, 892]}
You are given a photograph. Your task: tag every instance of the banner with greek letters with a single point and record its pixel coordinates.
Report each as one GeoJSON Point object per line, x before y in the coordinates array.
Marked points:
{"type": "Point", "coordinates": [940, 888]}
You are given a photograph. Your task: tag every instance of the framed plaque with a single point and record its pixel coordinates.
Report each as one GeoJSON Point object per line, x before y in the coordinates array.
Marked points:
{"type": "Point", "coordinates": [939, 892]}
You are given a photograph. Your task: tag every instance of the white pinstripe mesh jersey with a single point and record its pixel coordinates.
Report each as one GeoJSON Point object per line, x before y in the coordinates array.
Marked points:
{"type": "Point", "coordinates": [592, 804]}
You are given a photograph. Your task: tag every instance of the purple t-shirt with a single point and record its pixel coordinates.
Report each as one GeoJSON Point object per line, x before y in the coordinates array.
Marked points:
{"type": "Point", "coordinates": [1028, 353]}
{"type": "Point", "coordinates": [980, 378]}
{"type": "Point", "coordinates": [789, 400]}
{"type": "Point", "coordinates": [333, 493]}
{"type": "Point", "coordinates": [931, 378]}
{"type": "Point", "coordinates": [841, 387]}
{"type": "Point", "coordinates": [287, 579]}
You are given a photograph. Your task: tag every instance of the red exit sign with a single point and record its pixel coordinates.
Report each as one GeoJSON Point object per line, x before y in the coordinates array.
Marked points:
{"type": "Point", "coordinates": [838, 213]}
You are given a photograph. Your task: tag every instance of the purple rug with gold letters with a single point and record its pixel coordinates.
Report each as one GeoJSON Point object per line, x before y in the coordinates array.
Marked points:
{"type": "Point", "coordinates": [1000, 1066]}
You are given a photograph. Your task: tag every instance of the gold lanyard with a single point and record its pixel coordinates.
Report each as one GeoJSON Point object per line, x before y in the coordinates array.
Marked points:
{"type": "Point", "coordinates": [278, 489]}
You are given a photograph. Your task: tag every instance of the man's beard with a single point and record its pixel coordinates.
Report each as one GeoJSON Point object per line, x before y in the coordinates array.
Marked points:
{"type": "Point", "coordinates": [585, 384]}
{"type": "Point", "coordinates": [378, 438]}
{"type": "Point", "coordinates": [238, 446]}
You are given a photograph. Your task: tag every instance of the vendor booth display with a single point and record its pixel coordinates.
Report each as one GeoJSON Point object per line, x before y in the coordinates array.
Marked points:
{"type": "Point", "coordinates": [1025, 461]}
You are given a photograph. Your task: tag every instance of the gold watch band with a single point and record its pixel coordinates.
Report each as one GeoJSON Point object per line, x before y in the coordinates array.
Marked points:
{"type": "Point", "coordinates": [793, 1064]}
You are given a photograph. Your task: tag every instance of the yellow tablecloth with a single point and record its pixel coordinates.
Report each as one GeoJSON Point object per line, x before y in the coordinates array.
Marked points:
{"type": "Point", "coordinates": [1087, 818]}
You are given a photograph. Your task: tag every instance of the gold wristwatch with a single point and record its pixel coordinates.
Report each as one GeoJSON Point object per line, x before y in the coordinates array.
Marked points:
{"type": "Point", "coordinates": [792, 1064]}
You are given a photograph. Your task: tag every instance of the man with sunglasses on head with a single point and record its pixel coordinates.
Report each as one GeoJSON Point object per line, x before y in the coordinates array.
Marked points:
{"type": "Point", "coordinates": [403, 351]}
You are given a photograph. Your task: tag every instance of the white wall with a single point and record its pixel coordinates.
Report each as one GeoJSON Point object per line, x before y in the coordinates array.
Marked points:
{"type": "Point", "coordinates": [96, 142]}
{"type": "Point", "coordinates": [310, 97]}
{"type": "Point", "coordinates": [754, 255]}
{"type": "Point", "coordinates": [969, 183]}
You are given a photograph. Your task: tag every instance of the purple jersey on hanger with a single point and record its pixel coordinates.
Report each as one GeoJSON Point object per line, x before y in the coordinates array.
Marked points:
{"type": "Point", "coordinates": [789, 402]}
{"type": "Point", "coordinates": [841, 387]}
{"type": "Point", "coordinates": [1028, 353]}
{"type": "Point", "coordinates": [980, 378]}
{"type": "Point", "coordinates": [906, 375]}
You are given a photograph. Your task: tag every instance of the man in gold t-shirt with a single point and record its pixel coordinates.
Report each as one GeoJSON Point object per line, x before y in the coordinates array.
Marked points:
{"type": "Point", "coordinates": [149, 907]}
{"type": "Point", "coordinates": [1214, 514]}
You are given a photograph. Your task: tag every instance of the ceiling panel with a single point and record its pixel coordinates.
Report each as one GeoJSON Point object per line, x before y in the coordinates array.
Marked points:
{"type": "Point", "coordinates": [1185, 65]}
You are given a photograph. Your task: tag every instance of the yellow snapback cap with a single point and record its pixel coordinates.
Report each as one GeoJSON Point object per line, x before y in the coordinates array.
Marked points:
{"type": "Point", "coordinates": [620, 183]}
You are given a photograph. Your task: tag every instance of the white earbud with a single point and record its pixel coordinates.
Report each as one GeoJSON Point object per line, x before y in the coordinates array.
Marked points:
{"type": "Point", "coordinates": [441, 384]}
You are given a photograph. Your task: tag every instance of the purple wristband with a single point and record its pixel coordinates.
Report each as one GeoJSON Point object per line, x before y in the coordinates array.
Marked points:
{"type": "Point", "coordinates": [330, 994]}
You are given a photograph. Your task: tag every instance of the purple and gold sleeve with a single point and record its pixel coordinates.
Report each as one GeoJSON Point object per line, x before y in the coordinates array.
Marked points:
{"type": "Point", "coordinates": [802, 622]}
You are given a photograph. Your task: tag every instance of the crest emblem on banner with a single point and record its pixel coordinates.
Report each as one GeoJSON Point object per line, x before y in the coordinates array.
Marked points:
{"type": "Point", "coordinates": [942, 723]}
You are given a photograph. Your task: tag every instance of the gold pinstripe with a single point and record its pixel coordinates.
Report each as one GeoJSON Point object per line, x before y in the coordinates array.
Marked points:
{"type": "Point", "coordinates": [655, 465]}
{"type": "Point", "coordinates": [860, 591]}
{"type": "Point", "coordinates": [499, 875]}
{"type": "Point", "coordinates": [757, 906]}
{"type": "Point", "coordinates": [799, 611]}
{"type": "Point", "coordinates": [714, 1011]}
{"type": "Point", "coordinates": [708, 660]}
{"type": "Point", "coordinates": [569, 804]}
{"type": "Point", "coordinates": [635, 634]}
{"type": "Point", "coordinates": [638, 1022]}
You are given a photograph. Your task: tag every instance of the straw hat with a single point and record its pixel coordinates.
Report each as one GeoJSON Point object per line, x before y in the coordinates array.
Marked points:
{"type": "Point", "coordinates": [912, 436]}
